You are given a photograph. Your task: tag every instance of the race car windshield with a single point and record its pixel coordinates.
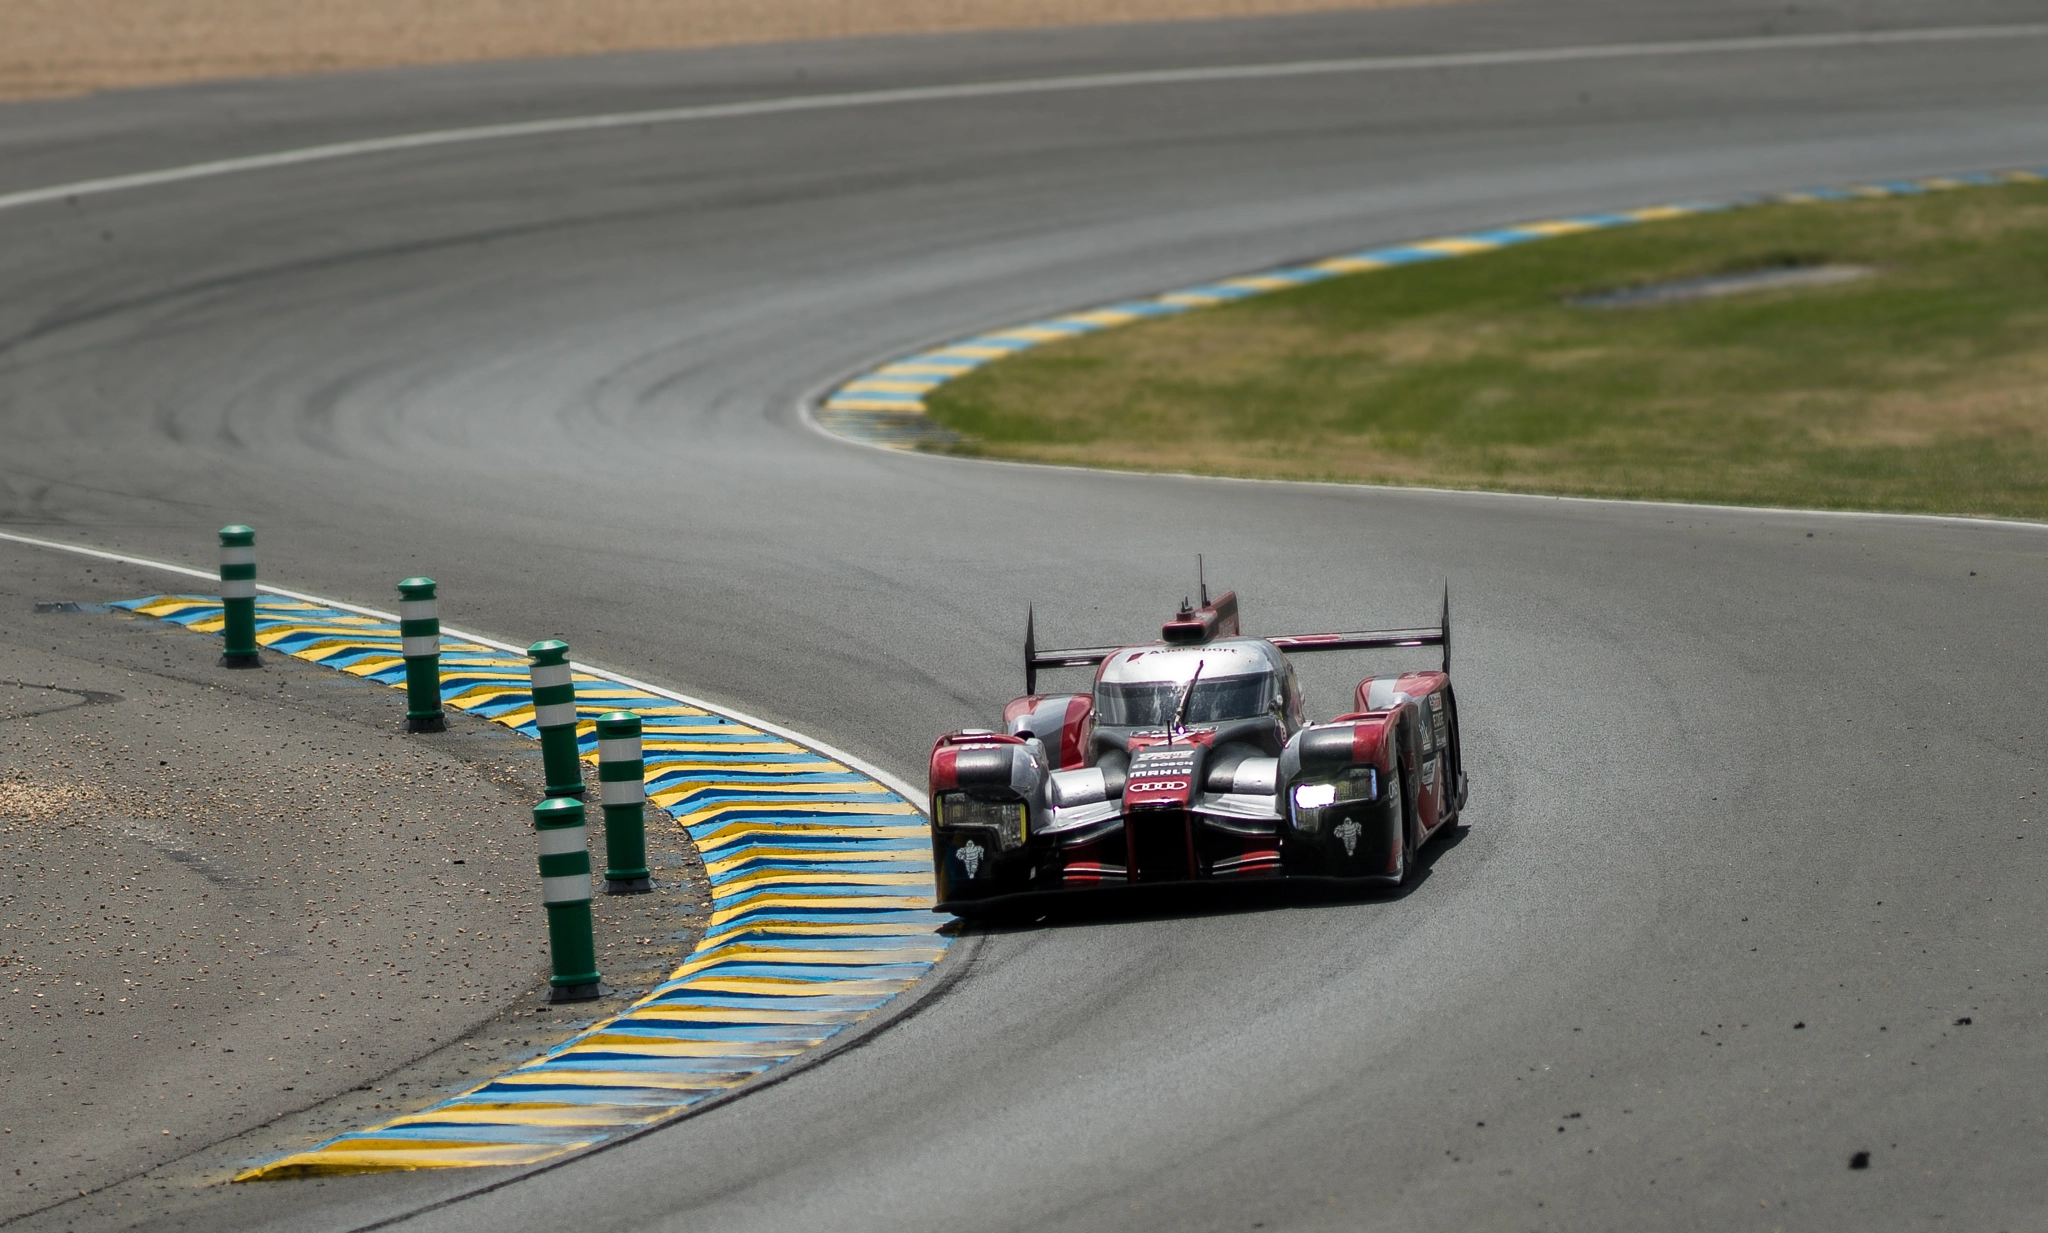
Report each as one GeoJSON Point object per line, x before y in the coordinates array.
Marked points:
{"type": "Point", "coordinates": [1143, 704]}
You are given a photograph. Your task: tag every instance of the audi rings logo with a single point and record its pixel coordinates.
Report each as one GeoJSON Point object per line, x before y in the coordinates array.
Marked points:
{"type": "Point", "coordinates": [1161, 785]}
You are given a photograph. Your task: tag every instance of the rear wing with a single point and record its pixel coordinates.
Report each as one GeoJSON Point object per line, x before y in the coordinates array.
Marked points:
{"type": "Point", "coordinates": [1193, 626]}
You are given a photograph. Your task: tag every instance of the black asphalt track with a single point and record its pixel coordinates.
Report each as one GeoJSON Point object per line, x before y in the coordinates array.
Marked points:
{"type": "Point", "coordinates": [1752, 830]}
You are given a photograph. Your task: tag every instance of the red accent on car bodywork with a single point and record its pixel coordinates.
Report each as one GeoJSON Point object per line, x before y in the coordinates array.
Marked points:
{"type": "Point", "coordinates": [1141, 741]}
{"type": "Point", "coordinates": [1369, 735]}
{"type": "Point", "coordinates": [1253, 862]}
{"type": "Point", "coordinates": [944, 774]}
{"type": "Point", "coordinates": [1416, 684]}
{"type": "Point", "coordinates": [1204, 624]}
{"type": "Point", "coordinates": [1433, 803]}
{"type": "Point", "coordinates": [1162, 791]}
{"type": "Point", "coordinates": [1074, 734]}
{"type": "Point", "coordinates": [1368, 741]}
{"type": "Point", "coordinates": [1018, 709]}
{"type": "Point", "coordinates": [1070, 751]}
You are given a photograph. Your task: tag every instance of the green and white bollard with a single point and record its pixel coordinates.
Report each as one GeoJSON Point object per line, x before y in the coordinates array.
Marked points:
{"type": "Point", "coordinates": [565, 890]}
{"type": "Point", "coordinates": [419, 631]}
{"type": "Point", "coordinates": [238, 596]}
{"type": "Point", "coordinates": [554, 713]}
{"type": "Point", "coordinates": [622, 787]}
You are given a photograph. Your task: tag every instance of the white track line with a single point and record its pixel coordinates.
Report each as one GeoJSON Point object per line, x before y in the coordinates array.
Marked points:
{"type": "Point", "coordinates": [893, 783]}
{"type": "Point", "coordinates": [1478, 494]}
{"type": "Point", "coordinates": [1032, 85]}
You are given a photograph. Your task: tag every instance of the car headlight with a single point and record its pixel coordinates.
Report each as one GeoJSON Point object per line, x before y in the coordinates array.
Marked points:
{"type": "Point", "coordinates": [1359, 783]}
{"type": "Point", "coordinates": [1006, 818]}
{"type": "Point", "coordinates": [1314, 795]}
{"type": "Point", "coordinates": [1313, 800]}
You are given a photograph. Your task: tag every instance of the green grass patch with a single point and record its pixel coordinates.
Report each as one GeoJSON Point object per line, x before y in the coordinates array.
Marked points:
{"type": "Point", "coordinates": [1923, 387]}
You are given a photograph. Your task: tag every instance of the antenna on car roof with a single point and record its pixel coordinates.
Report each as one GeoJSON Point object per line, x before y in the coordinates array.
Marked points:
{"type": "Point", "coordinates": [1030, 650]}
{"type": "Point", "coordinates": [1201, 580]}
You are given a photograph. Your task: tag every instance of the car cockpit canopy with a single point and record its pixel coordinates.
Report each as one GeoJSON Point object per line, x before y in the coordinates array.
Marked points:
{"type": "Point", "coordinates": [1238, 678]}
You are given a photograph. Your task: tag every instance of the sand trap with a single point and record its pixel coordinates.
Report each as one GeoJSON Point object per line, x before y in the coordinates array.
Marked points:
{"type": "Point", "coordinates": [71, 46]}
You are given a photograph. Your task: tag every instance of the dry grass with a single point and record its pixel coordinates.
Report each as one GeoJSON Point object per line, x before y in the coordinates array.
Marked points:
{"type": "Point", "coordinates": [71, 46]}
{"type": "Point", "coordinates": [1922, 388]}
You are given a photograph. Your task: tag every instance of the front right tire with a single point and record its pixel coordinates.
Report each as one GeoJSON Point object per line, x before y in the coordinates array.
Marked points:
{"type": "Point", "coordinates": [1406, 859]}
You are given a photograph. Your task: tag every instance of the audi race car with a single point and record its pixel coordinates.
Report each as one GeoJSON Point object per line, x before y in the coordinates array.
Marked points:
{"type": "Point", "coordinates": [1191, 761]}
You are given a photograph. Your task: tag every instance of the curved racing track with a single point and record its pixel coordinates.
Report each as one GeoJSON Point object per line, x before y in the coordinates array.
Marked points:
{"type": "Point", "coordinates": [1732, 771]}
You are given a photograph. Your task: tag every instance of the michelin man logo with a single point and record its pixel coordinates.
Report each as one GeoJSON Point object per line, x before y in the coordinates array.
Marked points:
{"type": "Point", "coordinates": [970, 857]}
{"type": "Point", "coordinates": [1348, 830]}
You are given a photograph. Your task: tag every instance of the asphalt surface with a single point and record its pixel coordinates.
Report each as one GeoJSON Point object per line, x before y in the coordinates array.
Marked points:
{"type": "Point", "coordinates": [1752, 827]}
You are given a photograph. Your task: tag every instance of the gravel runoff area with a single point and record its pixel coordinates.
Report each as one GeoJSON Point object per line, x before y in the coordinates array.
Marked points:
{"type": "Point", "coordinates": [242, 911]}
{"type": "Point", "coordinates": [71, 46]}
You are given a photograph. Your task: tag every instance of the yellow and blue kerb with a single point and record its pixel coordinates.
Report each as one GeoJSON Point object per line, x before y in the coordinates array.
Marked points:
{"type": "Point", "coordinates": [885, 406]}
{"type": "Point", "coordinates": [821, 895]}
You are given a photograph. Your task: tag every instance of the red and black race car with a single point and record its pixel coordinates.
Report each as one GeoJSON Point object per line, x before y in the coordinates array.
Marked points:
{"type": "Point", "coordinates": [1191, 761]}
